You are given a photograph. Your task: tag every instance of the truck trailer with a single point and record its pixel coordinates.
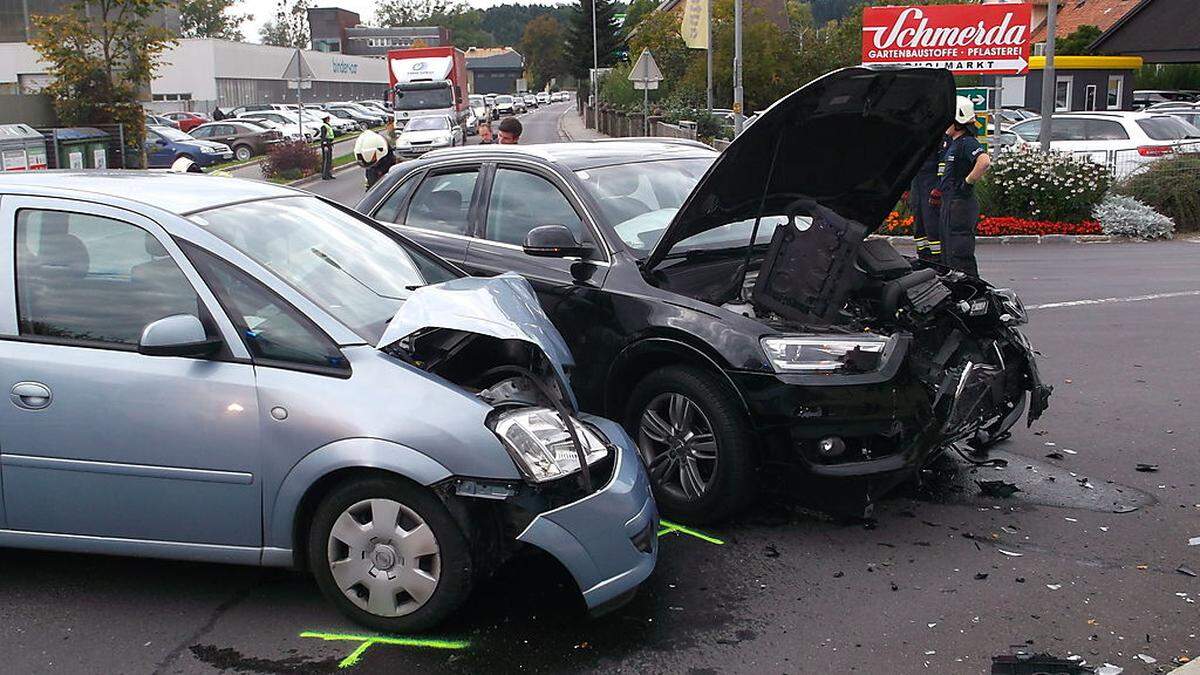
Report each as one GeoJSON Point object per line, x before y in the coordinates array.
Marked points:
{"type": "Point", "coordinates": [427, 81]}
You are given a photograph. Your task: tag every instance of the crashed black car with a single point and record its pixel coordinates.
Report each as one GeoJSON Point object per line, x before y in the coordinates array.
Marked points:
{"type": "Point", "coordinates": [732, 310]}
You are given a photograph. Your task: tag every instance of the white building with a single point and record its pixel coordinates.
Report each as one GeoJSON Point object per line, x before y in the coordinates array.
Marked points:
{"type": "Point", "coordinates": [200, 74]}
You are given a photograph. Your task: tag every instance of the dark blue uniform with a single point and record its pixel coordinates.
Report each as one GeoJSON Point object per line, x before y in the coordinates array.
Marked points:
{"type": "Point", "coordinates": [960, 209]}
{"type": "Point", "coordinates": [925, 215]}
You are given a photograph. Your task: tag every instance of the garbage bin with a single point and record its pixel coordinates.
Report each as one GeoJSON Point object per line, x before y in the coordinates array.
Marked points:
{"type": "Point", "coordinates": [22, 148]}
{"type": "Point", "coordinates": [81, 148]}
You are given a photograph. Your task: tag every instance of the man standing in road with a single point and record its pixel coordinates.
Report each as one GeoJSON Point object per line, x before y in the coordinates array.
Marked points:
{"type": "Point", "coordinates": [510, 131]}
{"type": "Point", "coordinates": [373, 154]}
{"type": "Point", "coordinates": [963, 164]}
{"type": "Point", "coordinates": [926, 227]}
{"type": "Point", "coordinates": [326, 148]}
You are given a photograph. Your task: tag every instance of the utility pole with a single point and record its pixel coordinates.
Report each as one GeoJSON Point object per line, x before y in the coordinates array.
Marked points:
{"type": "Point", "coordinates": [299, 82]}
{"type": "Point", "coordinates": [708, 56]}
{"type": "Point", "coordinates": [1049, 87]}
{"type": "Point", "coordinates": [737, 68]}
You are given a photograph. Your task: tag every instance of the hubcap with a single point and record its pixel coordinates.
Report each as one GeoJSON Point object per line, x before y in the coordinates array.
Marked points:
{"type": "Point", "coordinates": [384, 557]}
{"type": "Point", "coordinates": [677, 442]}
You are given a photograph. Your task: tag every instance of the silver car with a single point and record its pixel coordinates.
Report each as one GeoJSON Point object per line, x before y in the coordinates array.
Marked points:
{"type": "Point", "coordinates": [213, 369]}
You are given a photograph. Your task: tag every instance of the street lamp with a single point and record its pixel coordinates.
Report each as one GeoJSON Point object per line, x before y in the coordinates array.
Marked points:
{"type": "Point", "coordinates": [595, 70]}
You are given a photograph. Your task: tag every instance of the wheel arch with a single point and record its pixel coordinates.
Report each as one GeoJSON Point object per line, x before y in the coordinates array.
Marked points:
{"type": "Point", "coordinates": [310, 479]}
{"type": "Point", "coordinates": [651, 353]}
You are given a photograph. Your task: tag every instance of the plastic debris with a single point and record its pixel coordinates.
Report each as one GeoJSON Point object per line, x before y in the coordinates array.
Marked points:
{"type": "Point", "coordinates": [1194, 541]}
{"type": "Point", "coordinates": [1069, 452]}
{"type": "Point", "coordinates": [997, 488]}
{"type": "Point", "coordinates": [1109, 669]}
{"type": "Point", "coordinates": [1144, 658]}
{"type": "Point", "coordinates": [1054, 587]}
{"type": "Point", "coordinates": [770, 551]}
{"type": "Point", "coordinates": [1055, 455]}
{"type": "Point", "coordinates": [1011, 554]}
{"type": "Point", "coordinates": [1146, 468]}
{"type": "Point", "coordinates": [1186, 571]}
{"type": "Point", "coordinates": [980, 576]}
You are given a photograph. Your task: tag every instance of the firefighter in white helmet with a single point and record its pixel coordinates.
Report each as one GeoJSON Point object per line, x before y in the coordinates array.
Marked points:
{"type": "Point", "coordinates": [373, 154]}
{"type": "Point", "coordinates": [963, 163]}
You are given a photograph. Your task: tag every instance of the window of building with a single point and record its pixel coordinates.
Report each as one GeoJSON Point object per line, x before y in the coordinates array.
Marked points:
{"type": "Point", "coordinates": [1116, 86]}
{"type": "Point", "coordinates": [1062, 94]}
{"type": "Point", "coordinates": [1089, 97]}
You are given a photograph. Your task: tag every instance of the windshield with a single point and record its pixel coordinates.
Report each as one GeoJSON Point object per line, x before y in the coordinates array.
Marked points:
{"type": "Point", "coordinates": [357, 274]}
{"type": "Point", "coordinates": [432, 123]}
{"type": "Point", "coordinates": [1166, 128]}
{"type": "Point", "coordinates": [640, 199]}
{"type": "Point", "coordinates": [423, 98]}
{"type": "Point", "coordinates": [504, 100]}
{"type": "Point", "coordinates": [476, 101]}
{"type": "Point", "coordinates": [173, 134]}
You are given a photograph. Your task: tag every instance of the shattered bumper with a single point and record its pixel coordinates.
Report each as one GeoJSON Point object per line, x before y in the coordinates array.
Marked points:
{"type": "Point", "coordinates": [607, 540]}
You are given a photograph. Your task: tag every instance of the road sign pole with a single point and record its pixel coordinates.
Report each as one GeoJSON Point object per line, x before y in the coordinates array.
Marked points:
{"type": "Point", "coordinates": [1048, 84]}
{"type": "Point", "coordinates": [595, 70]}
{"type": "Point", "coordinates": [708, 58]}
{"type": "Point", "coordinates": [737, 67]}
{"type": "Point", "coordinates": [299, 85]}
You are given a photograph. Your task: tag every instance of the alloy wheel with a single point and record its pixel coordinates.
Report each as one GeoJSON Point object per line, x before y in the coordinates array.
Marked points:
{"type": "Point", "coordinates": [677, 442]}
{"type": "Point", "coordinates": [384, 557]}
{"type": "Point", "coordinates": [243, 153]}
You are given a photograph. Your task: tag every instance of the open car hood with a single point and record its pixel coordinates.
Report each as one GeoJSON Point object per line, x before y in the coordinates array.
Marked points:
{"type": "Point", "coordinates": [851, 140]}
{"type": "Point", "coordinates": [502, 306]}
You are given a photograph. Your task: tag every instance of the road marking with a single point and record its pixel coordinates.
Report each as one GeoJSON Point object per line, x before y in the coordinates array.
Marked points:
{"type": "Point", "coordinates": [668, 527]}
{"type": "Point", "coordinates": [367, 641]}
{"type": "Point", "coordinates": [1106, 301]}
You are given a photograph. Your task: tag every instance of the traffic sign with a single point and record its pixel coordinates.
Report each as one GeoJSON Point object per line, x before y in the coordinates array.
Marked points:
{"type": "Point", "coordinates": [297, 68]}
{"type": "Point", "coordinates": [967, 39]}
{"type": "Point", "coordinates": [645, 70]}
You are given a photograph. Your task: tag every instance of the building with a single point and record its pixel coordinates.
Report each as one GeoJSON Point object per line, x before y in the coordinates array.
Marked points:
{"type": "Point", "coordinates": [201, 74]}
{"type": "Point", "coordinates": [494, 70]}
{"type": "Point", "coordinates": [1074, 14]}
{"type": "Point", "coordinates": [1084, 82]}
{"type": "Point", "coordinates": [1159, 31]}
{"type": "Point", "coordinates": [16, 17]}
{"type": "Point", "coordinates": [333, 29]}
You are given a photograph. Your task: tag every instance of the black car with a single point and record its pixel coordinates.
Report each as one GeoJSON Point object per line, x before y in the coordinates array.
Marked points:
{"type": "Point", "coordinates": [814, 346]}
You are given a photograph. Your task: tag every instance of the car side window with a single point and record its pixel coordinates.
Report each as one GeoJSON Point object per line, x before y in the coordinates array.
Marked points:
{"type": "Point", "coordinates": [1028, 131]}
{"type": "Point", "coordinates": [521, 201]}
{"type": "Point", "coordinates": [1069, 129]}
{"type": "Point", "coordinates": [94, 280]}
{"type": "Point", "coordinates": [443, 201]}
{"type": "Point", "coordinates": [389, 209]}
{"type": "Point", "coordinates": [202, 132]}
{"type": "Point", "coordinates": [275, 332]}
{"type": "Point", "coordinates": [1105, 130]}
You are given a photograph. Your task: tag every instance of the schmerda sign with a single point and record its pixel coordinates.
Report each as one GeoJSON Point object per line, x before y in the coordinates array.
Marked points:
{"type": "Point", "coordinates": [967, 39]}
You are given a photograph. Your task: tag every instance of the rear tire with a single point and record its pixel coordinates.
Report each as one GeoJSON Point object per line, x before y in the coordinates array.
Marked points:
{"type": "Point", "coordinates": [388, 554]}
{"type": "Point", "coordinates": [697, 442]}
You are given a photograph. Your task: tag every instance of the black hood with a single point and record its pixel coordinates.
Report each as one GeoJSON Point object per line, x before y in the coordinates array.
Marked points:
{"type": "Point", "coordinates": [851, 140]}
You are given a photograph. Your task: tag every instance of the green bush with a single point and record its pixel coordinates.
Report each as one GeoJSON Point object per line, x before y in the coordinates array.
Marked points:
{"type": "Point", "coordinates": [1025, 183]}
{"type": "Point", "coordinates": [1172, 187]}
{"type": "Point", "coordinates": [290, 161]}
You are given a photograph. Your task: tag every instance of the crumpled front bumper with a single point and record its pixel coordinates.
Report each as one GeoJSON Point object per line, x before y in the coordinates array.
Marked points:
{"type": "Point", "coordinates": [597, 538]}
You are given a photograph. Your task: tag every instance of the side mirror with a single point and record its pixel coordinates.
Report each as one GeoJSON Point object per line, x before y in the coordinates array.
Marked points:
{"type": "Point", "coordinates": [161, 143]}
{"type": "Point", "coordinates": [554, 241]}
{"type": "Point", "coordinates": [177, 335]}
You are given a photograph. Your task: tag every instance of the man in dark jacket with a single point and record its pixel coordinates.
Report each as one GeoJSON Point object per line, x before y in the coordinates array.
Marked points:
{"type": "Point", "coordinates": [373, 154]}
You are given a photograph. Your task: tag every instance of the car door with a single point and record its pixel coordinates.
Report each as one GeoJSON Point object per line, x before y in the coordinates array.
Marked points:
{"type": "Point", "coordinates": [520, 198]}
{"type": "Point", "coordinates": [223, 133]}
{"type": "Point", "coordinates": [159, 151]}
{"type": "Point", "coordinates": [437, 208]}
{"type": "Point", "coordinates": [97, 439]}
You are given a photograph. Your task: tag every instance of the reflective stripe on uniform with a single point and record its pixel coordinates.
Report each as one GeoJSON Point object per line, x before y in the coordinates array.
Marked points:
{"type": "Point", "coordinates": [935, 247]}
{"type": "Point", "coordinates": [922, 243]}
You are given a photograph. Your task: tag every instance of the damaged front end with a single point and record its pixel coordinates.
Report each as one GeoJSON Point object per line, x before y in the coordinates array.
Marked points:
{"type": "Point", "coordinates": [584, 497]}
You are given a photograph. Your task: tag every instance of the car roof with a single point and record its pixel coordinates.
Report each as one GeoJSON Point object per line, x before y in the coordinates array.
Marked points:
{"type": "Point", "coordinates": [578, 155]}
{"type": "Point", "coordinates": [175, 192]}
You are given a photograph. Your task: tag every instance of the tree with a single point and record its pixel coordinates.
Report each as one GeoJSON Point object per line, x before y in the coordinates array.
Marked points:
{"type": "Point", "coordinates": [211, 19]}
{"type": "Point", "coordinates": [638, 10]}
{"type": "Point", "coordinates": [507, 22]}
{"type": "Point", "coordinates": [1078, 41]}
{"type": "Point", "coordinates": [289, 25]}
{"type": "Point", "coordinates": [464, 23]}
{"type": "Point", "coordinates": [579, 36]}
{"type": "Point", "coordinates": [543, 47]}
{"type": "Point", "coordinates": [102, 55]}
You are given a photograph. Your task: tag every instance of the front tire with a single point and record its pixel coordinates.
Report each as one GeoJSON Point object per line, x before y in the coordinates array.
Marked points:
{"type": "Point", "coordinates": [696, 441]}
{"type": "Point", "coordinates": [243, 153]}
{"type": "Point", "coordinates": [389, 555]}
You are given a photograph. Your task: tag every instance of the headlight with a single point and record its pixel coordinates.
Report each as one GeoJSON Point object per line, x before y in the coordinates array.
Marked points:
{"type": "Point", "coordinates": [1010, 304]}
{"type": "Point", "coordinates": [539, 443]}
{"type": "Point", "coordinates": [857, 353]}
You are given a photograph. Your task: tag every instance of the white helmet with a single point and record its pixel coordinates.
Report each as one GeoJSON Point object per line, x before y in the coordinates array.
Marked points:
{"type": "Point", "coordinates": [964, 110]}
{"type": "Point", "coordinates": [185, 165]}
{"type": "Point", "coordinates": [369, 147]}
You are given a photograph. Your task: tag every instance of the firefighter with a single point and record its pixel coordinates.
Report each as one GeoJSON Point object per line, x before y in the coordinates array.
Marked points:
{"type": "Point", "coordinates": [963, 163]}
{"type": "Point", "coordinates": [326, 148]}
{"type": "Point", "coordinates": [373, 154]}
{"type": "Point", "coordinates": [925, 215]}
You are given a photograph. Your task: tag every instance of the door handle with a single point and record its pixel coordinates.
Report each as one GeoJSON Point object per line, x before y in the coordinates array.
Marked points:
{"type": "Point", "coordinates": [31, 395]}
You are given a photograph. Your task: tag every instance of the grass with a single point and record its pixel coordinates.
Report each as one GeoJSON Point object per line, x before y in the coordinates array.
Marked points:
{"type": "Point", "coordinates": [235, 164]}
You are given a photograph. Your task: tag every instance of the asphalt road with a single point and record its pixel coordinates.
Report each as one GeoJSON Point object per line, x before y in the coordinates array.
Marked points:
{"type": "Point", "coordinates": [789, 590]}
{"type": "Point", "coordinates": [348, 186]}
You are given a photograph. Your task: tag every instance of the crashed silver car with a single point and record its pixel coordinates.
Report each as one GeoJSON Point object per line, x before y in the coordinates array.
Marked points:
{"type": "Point", "coordinates": [212, 369]}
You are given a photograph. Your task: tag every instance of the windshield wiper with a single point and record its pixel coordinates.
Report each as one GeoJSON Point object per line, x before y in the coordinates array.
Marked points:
{"type": "Point", "coordinates": [337, 266]}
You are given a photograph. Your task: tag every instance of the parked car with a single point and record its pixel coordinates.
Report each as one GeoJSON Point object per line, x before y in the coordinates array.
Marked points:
{"type": "Point", "coordinates": [340, 126]}
{"type": "Point", "coordinates": [164, 145]}
{"type": "Point", "coordinates": [505, 105]}
{"type": "Point", "coordinates": [254, 107]}
{"type": "Point", "coordinates": [223, 370]}
{"type": "Point", "coordinates": [543, 98]}
{"type": "Point", "coordinates": [1190, 115]}
{"type": "Point", "coordinates": [244, 138]}
{"type": "Point", "coordinates": [1146, 97]}
{"type": "Point", "coordinates": [291, 130]}
{"type": "Point", "coordinates": [360, 121]}
{"type": "Point", "coordinates": [370, 116]}
{"type": "Point", "coordinates": [187, 120]}
{"type": "Point", "coordinates": [426, 133]}
{"type": "Point", "coordinates": [865, 366]}
{"type": "Point", "coordinates": [160, 121]}
{"type": "Point", "coordinates": [1126, 142]}
{"type": "Point", "coordinates": [377, 105]}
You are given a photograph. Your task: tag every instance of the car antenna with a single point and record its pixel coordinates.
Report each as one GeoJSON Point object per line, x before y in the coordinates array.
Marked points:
{"type": "Point", "coordinates": [762, 203]}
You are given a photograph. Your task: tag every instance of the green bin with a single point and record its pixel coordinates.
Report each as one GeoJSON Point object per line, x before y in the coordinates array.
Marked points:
{"type": "Point", "coordinates": [81, 148]}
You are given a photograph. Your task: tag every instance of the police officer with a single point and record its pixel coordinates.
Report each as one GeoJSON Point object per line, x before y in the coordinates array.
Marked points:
{"type": "Point", "coordinates": [373, 154]}
{"type": "Point", "coordinates": [963, 163]}
{"type": "Point", "coordinates": [925, 215]}
{"type": "Point", "coordinates": [326, 148]}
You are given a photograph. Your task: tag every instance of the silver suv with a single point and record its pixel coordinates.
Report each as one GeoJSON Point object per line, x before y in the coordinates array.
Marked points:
{"type": "Point", "coordinates": [213, 369]}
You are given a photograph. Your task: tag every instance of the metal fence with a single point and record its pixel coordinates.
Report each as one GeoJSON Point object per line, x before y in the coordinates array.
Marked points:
{"type": "Point", "coordinates": [1124, 164]}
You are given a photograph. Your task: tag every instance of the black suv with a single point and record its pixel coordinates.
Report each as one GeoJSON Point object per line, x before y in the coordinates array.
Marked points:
{"type": "Point", "coordinates": [731, 309]}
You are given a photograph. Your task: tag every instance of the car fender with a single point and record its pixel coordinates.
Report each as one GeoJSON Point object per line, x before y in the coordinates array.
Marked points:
{"type": "Point", "coordinates": [674, 347]}
{"type": "Point", "coordinates": [348, 453]}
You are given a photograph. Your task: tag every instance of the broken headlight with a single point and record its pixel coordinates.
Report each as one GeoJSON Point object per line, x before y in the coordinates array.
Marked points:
{"type": "Point", "coordinates": [1010, 304]}
{"type": "Point", "coordinates": [539, 443]}
{"type": "Point", "coordinates": [861, 353]}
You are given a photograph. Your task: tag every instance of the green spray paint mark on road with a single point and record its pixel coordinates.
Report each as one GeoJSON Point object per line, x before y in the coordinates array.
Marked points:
{"type": "Point", "coordinates": [367, 641]}
{"type": "Point", "coordinates": [668, 526]}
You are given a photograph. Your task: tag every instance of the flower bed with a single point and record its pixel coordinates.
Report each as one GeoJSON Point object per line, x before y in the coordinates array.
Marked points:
{"type": "Point", "coordinates": [997, 226]}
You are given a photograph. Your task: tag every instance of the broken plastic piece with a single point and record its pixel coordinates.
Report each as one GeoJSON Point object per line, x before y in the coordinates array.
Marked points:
{"type": "Point", "coordinates": [997, 488]}
{"type": "Point", "coordinates": [1146, 468]}
{"type": "Point", "coordinates": [1055, 455]}
{"type": "Point", "coordinates": [1186, 571]}
{"type": "Point", "coordinates": [1145, 658]}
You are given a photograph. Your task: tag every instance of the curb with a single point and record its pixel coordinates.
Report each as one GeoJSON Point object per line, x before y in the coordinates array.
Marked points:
{"type": "Point", "coordinates": [1026, 239]}
{"type": "Point", "coordinates": [317, 176]}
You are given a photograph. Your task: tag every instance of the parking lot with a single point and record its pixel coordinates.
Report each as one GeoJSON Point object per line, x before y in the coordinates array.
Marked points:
{"type": "Point", "coordinates": [1083, 559]}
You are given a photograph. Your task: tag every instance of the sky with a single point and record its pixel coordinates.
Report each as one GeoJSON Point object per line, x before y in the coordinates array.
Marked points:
{"type": "Point", "coordinates": [264, 9]}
